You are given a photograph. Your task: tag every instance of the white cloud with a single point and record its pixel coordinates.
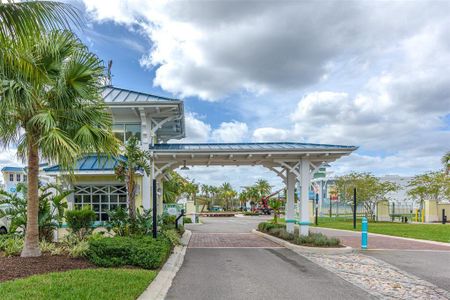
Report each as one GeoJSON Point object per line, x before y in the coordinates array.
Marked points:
{"type": "Point", "coordinates": [213, 48]}
{"type": "Point", "coordinates": [270, 134]}
{"type": "Point", "coordinates": [230, 132]}
{"type": "Point", "coordinates": [356, 73]}
{"type": "Point", "coordinates": [197, 131]}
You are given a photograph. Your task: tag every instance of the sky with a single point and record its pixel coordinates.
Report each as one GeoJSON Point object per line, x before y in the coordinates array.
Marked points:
{"type": "Point", "coordinates": [369, 74]}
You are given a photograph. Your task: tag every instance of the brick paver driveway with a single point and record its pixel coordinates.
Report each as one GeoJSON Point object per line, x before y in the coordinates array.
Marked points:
{"type": "Point", "coordinates": [230, 240]}
{"type": "Point", "coordinates": [353, 239]}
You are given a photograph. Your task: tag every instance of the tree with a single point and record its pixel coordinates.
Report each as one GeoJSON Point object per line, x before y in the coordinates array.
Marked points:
{"type": "Point", "coordinates": [227, 194]}
{"type": "Point", "coordinates": [134, 160]}
{"type": "Point", "coordinates": [263, 187]}
{"type": "Point", "coordinates": [370, 190]}
{"type": "Point", "coordinates": [58, 117]}
{"type": "Point", "coordinates": [446, 162]}
{"type": "Point", "coordinates": [429, 186]}
{"type": "Point", "coordinates": [172, 188]}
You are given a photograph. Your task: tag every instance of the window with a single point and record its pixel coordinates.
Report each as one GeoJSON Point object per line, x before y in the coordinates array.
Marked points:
{"type": "Point", "coordinates": [100, 198]}
{"type": "Point", "coordinates": [11, 177]}
{"type": "Point", "coordinates": [25, 178]}
{"type": "Point", "coordinates": [18, 177]}
{"type": "Point", "coordinates": [124, 131]}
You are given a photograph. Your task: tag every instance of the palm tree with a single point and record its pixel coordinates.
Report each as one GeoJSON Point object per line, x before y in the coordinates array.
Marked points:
{"type": "Point", "coordinates": [135, 160]}
{"type": "Point", "coordinates": [263, 187]}
{"type": "Point", "coordinates": [446, 162]}
{"type": "Point", "coordinates": [58, 117]}
{"type": "Point", "coordinates": [21, 20]}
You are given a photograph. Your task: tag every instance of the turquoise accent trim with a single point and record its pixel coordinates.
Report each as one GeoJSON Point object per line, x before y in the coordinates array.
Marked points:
{"type": "Point", "coordinates": [304, 223]}
{"type": "Point", "coordinates": [291, 221]}
{"type": "Point", "coordinates": [95, 225]}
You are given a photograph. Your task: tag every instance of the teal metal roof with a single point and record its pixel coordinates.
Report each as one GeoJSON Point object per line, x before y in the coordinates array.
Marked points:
{"type": "Point", "coordinates": [13, 169]}
{"type": "Point", "coordinates": [277, 146]}
{"type": "Point", "coordinates": [91, 163]}
{"type": "Point", "coordinates": [113, 94]}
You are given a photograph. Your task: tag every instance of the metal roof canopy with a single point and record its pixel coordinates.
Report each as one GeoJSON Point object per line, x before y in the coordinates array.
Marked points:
{"type": "Point", "coordinates": [165, 114]}
{"type": "Point", "coordinates": [270, 155]}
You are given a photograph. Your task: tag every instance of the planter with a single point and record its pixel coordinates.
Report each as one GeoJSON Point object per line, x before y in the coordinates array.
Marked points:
{"type": "Point", "coordinates": [305, 249]}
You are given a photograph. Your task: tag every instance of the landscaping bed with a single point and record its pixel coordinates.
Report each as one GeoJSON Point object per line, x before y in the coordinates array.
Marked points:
{"type": "Point", "coordinates": [17, 267]}
{"type": "Point", "coordinates": [311, 240]}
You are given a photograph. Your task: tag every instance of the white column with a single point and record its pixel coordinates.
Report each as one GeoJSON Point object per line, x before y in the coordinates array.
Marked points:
{"type": "Point", "coordinates": [305, 181]}
{"type": "Point", "coordinates": [320, 196]}
{"type": "Point", "coordinates": [159, 185]}
{"type": "Point", "coordinates": [146, 126]}
{"type": "Point", "coordinates": [290, 196]}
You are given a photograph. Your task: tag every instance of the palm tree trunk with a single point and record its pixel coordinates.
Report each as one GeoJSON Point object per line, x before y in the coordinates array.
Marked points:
{"type": "Point", "coordinates": [131, 197]}
{"type": "Point", "coordinates": [31, 246]}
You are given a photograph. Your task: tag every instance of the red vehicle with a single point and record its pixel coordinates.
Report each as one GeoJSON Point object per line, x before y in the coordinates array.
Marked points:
{"type": "Point", "coordinates": [264, 207]}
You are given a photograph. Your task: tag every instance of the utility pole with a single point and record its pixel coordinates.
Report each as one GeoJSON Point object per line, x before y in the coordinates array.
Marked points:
{"type": "Point", "coordinates": [354, 208]}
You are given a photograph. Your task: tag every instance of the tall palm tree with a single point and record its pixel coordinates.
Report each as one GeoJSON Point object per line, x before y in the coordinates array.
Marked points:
{"type": "Point", "coordinates": [135, 160]}
{"type": "Point", "coordinates": [446, 162]}
{"type": "Point", "coordinates": [263, 187]}
{"type": "Point", "coordinates": [58, 117]}
{"type": "Point", "coordinates": [21, 20]}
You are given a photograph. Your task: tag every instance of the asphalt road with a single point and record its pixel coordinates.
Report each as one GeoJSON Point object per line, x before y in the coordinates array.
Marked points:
{"type": "Point", "coordinates": [433, 266]}
{"type": "Point", "coordinates": [259, 273]}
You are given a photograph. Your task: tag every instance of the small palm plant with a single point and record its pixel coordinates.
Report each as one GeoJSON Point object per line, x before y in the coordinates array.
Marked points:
{"type": "Point", "coordinates": [135, 160]}
{"type": "Point", "coordinates": [276, 205]}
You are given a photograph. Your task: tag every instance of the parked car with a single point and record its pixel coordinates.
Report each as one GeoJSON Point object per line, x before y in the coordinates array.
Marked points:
{"type": "Point", "coordinates": [5, 222]}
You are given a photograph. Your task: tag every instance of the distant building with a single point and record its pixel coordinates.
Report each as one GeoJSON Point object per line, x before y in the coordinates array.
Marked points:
{"type": "Point", "coordinates": [12, 176]}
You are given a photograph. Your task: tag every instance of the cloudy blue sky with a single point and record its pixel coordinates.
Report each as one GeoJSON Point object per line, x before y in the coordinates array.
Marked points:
{"type": "Point", "coordinates": [371, 74]}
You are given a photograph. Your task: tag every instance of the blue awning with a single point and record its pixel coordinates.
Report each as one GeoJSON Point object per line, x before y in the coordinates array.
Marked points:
{"type": "Point", "coordinates": [91, 163]}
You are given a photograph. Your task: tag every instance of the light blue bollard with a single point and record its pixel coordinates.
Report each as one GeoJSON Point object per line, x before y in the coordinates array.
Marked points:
{"type": "Point", "coordinates": [364, 229]}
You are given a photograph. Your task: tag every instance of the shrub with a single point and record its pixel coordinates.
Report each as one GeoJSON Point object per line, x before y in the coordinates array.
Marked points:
{"type": "Point", "coordinates": [80, 249]}
{"type": "Point", "coordinates": [267, 226]}
{"type": "Point", "coordinates": [140, 251]}
{"type": "Point", "coordinates": [122, 225]}
{"type": "Point", "coordinates": [168, 221]}
{"type": "Point", "coordinates": [173, 235]}
{"type": "Point", "coordinates": [57, 251]}
{"type": "Point", "coordinates": [12, 245]}
{"type": "Point", "coordinates": [80, 221]}
{"type": "Point", "coordinates": [317, 239]}
{"type": "Point", "coordinates": [46, 246]}
{"type": "Point", "coordinates": [187, 220]}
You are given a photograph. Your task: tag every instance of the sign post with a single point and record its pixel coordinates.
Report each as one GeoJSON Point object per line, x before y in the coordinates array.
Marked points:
{"type": "Point", "coordinates": [364, 237]}
{"type": "Point", "coordinates": [354, 208]}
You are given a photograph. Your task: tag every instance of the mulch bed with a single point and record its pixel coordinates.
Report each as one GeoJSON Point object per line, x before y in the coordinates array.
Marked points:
{"type": "Point", "coordinates": [19, 267]}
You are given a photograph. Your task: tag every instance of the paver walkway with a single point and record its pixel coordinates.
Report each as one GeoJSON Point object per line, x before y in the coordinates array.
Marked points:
{"type": "Point", "coordinates": [229, 240]}
{"type": "Point", "coordinates": [353, 239]}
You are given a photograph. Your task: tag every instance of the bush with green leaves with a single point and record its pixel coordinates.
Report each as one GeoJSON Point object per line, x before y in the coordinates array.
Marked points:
{"type": "Point", "coordinates": [267, 226]}
{"type": "Point", "coordinates": [312, 239]}
{"type": "Point", "coordinates": [122, 225]}
{"type": "Point", "coordinates": [141, 251]}
{"type": "Point", "coordinates": [80, 221]}
{"type": "Point", "coordinates": [51, 209]}
{"type": "Point", "coordinates": [168, 221]}
{"type": "Point", "coordinates": [187, 220]}
{"type": "Point", "coordinates": [11, 244]}
{"type": "Point", "coordinates": [173, 235]}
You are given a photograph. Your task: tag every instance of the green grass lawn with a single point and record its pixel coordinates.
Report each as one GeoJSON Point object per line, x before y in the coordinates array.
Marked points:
{"type": "Point", "coordinates": [432, 232]}
{"type": "Point", "coordinates": [80, 284]}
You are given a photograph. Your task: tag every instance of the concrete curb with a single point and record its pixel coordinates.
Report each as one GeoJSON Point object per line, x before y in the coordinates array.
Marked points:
{"type": "Point", "coordinates": [159, 287]}
{"type": "Point", "coordinates": [390, 236]}
{"type": "Point", "coordinates": [304, 249]}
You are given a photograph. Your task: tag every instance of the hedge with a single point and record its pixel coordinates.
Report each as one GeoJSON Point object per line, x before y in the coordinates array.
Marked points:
{"type": "Point", "coordinates": [141, 251]}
